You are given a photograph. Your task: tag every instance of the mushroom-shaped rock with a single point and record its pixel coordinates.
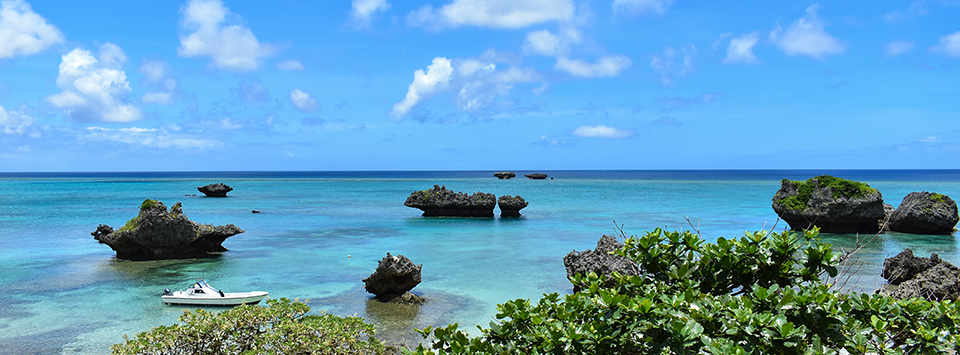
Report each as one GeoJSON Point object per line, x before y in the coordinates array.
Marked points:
{"type": "Point", "coordinates": [835, 205]}
{"type": "Point", "coordinates": [215, 190]}
{"type": "Point", "coordinates": [510, 206]}
{"type": "Point", "coordinates": [928, 278]}
{"type": "Point", "coordinates": [505, 175]}
{"type": "Point", "coordinates": [599, 261]}
{"type": "Point", "coordinates": [925, 213]}
{"type": "Point", "coordinates": [157, 234]}
{"type": "Point", "coordinates": [394, 277]}
{"type": "Point", "coordinates": [439, 201]}
{"type": "Point", "coordinates": [536, 176]}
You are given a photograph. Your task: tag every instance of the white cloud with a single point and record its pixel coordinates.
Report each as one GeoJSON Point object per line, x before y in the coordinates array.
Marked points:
{"type": "Point", "coordinates": [807, 36]}
{"type": "Point", "coordinates": [205, 31]}
{"type": "Point", "coordinates": [639, 7]}
{"type": "Point", "coordinates": [290, 65]}
{"type": "Point", "coordinates": [14, 122]}
{"type": "Point", "coordinates": [741, 49]}
{"type": "Point", "coordinates": [605, 66]}
{"type": "Point", "coordinates": [916, 8]}
{"type": "Point", "coordinates": [424, 84]}
{"type": "Point", "coordinates": [303, 101]}
{"type": "Point", "coordinates": [674, 62]}
{"type": "Point", "coordinates": [948, 45]}
{"type": "Point", "coordinates": [163, 86]}
{"type": "Point", "coordinates": [601, 131]}
{"type": "Point", "coordinates": [896, 48]}
{"type": "Point", "coordinates": [545, 42]}
{"type": "Point", "coordinates": [492, 13]}
{"type": "Point", "coordinates": [24, 32]}
{"type": "Point", "coordinates": [94, 90]}
{"type": "Point", "coordinates": [161, 138]}
{"type": "Point", "coordinates": [362, 11]}
{"type": "Point", "coordinates": [162, 98]}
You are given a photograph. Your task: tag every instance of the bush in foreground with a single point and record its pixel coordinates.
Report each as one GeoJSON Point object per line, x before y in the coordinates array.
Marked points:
{"type": "Point", "coordinates": [760, 294]}
{"type": "Point", "coordinates": [283, 327]}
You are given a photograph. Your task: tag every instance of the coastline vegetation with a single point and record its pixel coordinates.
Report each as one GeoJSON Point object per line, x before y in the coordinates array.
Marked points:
{"type": "Point", "coordinates": [841, 187]}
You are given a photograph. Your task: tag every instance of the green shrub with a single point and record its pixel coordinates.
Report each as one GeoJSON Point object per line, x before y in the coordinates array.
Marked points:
{"type": "Point", "coordinates": [283, 327]}
{"type": "Point", "coordinates": [759, 294]}
{"type": "Point", "coordinates": [841, 187]}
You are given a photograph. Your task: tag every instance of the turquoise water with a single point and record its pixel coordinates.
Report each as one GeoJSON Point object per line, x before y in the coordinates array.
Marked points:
{"type": "Point", "coordinates": [320, 234]}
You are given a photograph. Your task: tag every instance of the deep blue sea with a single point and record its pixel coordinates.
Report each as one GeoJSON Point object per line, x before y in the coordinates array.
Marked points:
{"type": "Point", "coordinates": [321, 233]}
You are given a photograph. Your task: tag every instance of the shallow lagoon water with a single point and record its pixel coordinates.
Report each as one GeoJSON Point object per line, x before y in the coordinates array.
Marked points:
{"type": "Point", "coordinates": [321, 233]}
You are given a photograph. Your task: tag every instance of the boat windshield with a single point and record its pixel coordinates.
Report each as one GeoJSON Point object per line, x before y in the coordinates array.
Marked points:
{"type": "Point", "coordinates": [202, 284]}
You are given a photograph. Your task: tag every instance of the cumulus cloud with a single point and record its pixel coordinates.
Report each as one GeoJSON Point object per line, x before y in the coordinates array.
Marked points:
{"type": "Point", "coordinates": [807, 36]}
{"type": "Point", "coordinates": [362, 11]}
{"type": "Point", "coordinates": [546, 43]}
{"type": "Point", "coordinates": [303, 101]}
{"type": "Point", "coordinates": [492, 13]}
{"type": "Point", "coordinates": [948, 45]}
{"type": "Point", "coordinates": [740, 49]}
{"type": "Point", "coordinates": [640, 7]}
{"type": "Point", "coordinates": [14, 122]}
{"type": "Point", "coordinates": [206, 32]}
{"type": "Point", "coordinates": [601, 131]}
{"type": "Point", "coordinates": [163, 87]}
{"type": "Point", "coordinates": [94, 90]}
{"type": "Point", "coordinates": [163, 138]}
{"type": "Point", "coordinates": [896, 48]}
{"type": "Point", "coordinates": [290, 65]}
{"type": "Point", "coordinates": [476, 81]}
{"type": "Point", "coordinates": [24, 32]}
{"type": "Point", "coordinates": [604, 67]}
{"type": "Point", "coordinates": [673, 62]}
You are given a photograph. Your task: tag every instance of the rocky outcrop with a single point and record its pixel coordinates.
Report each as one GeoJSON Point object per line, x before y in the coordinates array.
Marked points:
{"type": "Point", "coordinates": [536, 176]}
{"type": "Point", "coordinates": [439, 201]}
{"type": "Point", "coordinates": [928, 278]}
{"type": "Point", "coordinates": [599, 261]}
{"type": "Point", "coordinates": [510, 206]}
{"type": "Point", "coordinates": [394, 278]}
{"type": "Point", "coordinates": [215, 190]}
{"type": "Point", "coordinates": [157, 234]}
{"type": "Point", "coordinates": [835, 205]}
{"type": "Point", "coordinates": [925, 213]}
{"type": "Point", "coordinates": [505, 175]}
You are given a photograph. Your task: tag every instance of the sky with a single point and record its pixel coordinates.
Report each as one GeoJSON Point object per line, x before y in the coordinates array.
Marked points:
{"type": "Point", "coordinates": [211, 85]}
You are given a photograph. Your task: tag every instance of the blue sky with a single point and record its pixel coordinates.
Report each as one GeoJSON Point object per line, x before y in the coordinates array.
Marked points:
{"type": "Point", "coordinates": [478, 85]}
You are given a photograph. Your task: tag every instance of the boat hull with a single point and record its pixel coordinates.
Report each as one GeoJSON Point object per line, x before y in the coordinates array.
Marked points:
{"type": "Point", "coordinates": [228, 299]}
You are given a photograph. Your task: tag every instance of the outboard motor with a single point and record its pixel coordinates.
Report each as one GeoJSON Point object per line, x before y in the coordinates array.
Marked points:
{"type": "Point", "coordinates": [166, 292]}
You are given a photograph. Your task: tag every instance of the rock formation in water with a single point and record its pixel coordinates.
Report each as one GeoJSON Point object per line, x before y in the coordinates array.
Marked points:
{"type": "Point", "coordinates": [928, 278]}
{"type": "Point", "coordinates": [215, 190]}
{"type": "Point", "coordinates": [835, 205]}
{"type": "Point", "coordinates": [536, 176]}
{"type": "Point", "coordinates": [924, 213]}
{"type": "Point", "coordinates": [394, 278]}
{"type": "Point", "coordinates": [599, 261]}
{"type": "Point", "coordinates": [439, 201]}
{"type": "Point", "coordinates": [157, 234]}
{"type": "Point", "coordinates": [510, 206]}
{"type": "Point", "coordinates": [505, 175]}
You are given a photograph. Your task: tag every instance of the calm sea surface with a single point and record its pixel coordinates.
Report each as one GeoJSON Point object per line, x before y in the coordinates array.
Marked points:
{"type": "Point", "coordinates": [321, 233]}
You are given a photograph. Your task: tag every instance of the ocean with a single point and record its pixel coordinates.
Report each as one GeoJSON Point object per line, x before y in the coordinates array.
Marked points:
{"type": "Point", "coordinates": [321, 233]}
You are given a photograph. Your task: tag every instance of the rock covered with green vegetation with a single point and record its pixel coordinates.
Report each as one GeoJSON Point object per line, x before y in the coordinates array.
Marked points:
{"type": "Point", "coordinates": [763, 293]}
{"type": "Point", "coordinates": [440, 202]}
{"type": "Point", "coordinates": [510, 206]}
{"type": "Point", "coordinates": [157, 234]}
{"type": "Point", "coordinates": [833, 204]}
{"type": "Point", "coordinates": [925, 213]}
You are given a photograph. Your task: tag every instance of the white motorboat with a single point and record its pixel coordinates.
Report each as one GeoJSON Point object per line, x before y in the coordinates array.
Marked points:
{"type": "Point", "coordinates": [202, 294]}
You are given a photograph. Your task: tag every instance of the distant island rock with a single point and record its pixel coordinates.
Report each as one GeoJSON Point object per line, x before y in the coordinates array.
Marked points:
{"type": "Point", "coordinates": [505, 175]}
{"type": "Point", "coordinates": [393, 279]}
{"type": "Point", "coordinates": [510, 206]}
{"type": "Point", "coordinates": [440, 202]}
{"type": "Point", "coordinates": [928, 278]}
{"type": "Point", "coordinates": [215, 190]}
{"type": "Point", "coordinates": [835, 205]}
{"type": "Point", "coordinates": [156, 234]}
{"type": "Point", "coordinates": [599, 261]}
{"type": "Point", "coordinates": [536, 176]}
{"type": "Point", "coordinates": [924, 213]}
